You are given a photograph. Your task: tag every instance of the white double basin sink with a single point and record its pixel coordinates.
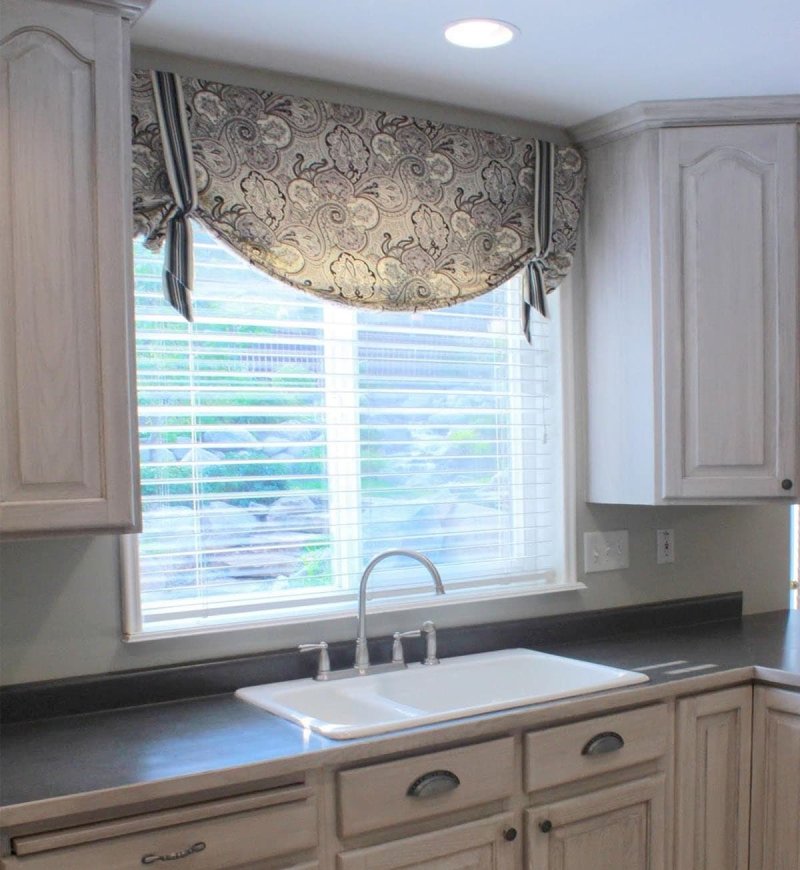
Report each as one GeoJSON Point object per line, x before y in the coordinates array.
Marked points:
{"type": "Point", "coordinates": [421, 695]}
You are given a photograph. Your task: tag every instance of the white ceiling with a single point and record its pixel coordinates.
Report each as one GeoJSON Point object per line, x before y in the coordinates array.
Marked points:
{"type": "Point", "coordinates": [573, 60]}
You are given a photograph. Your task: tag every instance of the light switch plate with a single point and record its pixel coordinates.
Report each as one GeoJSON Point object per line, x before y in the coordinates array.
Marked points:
{"type": "Point", "coordinates": [605, 551]}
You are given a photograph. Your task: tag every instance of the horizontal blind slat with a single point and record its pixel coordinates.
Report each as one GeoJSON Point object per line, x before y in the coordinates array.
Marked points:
{"type": "Point", "coordinates": [284, 442]}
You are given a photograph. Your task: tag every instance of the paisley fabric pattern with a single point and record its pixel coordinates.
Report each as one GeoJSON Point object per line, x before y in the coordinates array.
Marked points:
{"type": "Point", "coordinates": [363, 207]}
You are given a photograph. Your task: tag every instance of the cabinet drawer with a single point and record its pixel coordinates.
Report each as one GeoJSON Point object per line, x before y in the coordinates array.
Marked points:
{"type": "Point", "coordinates": [379, 796]}
{"type": "Point", "coordinates": [556, 756]}
{"type": "Point", "coordinates": [208, 836]}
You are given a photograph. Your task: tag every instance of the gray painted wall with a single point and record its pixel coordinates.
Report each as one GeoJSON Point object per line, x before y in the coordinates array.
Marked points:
{"type": "Point", "coordinates": [60, 597]}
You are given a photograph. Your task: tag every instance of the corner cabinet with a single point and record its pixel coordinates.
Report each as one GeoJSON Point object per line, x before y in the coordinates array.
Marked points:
{"type": "Point", "coordinates": [68, 455]}
{"type": "Point", "coordinates": [775, 820]}
{"type": "Point", "coordinates": [691, 250]}
{"type": "Point", "coordinates": [712, 780]}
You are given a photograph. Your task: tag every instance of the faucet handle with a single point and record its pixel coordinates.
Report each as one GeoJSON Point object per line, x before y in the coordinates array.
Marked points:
{"type": "Point", "coordinates": [429, 630]}
{"type": "Point", "coordinates": [324, 665]}
{"type": "Point", "coordinates": [397, 646]}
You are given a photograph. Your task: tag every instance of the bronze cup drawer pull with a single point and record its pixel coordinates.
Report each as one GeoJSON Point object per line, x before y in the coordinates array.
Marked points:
{"type": "Point", "coordinates": [174, 856]}
{"type": "Point", "coordinates": [602, 744]}
{"type": "Point", "coordinates": [434, 783]}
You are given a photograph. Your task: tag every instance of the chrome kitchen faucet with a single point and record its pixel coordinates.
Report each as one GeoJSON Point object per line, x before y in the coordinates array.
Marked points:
{"type": "Point", "coordinates": [362, 653]}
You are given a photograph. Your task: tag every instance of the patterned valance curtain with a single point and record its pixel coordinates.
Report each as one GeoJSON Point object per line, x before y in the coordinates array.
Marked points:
{"type": "Point", "coordinates": [364, 207]}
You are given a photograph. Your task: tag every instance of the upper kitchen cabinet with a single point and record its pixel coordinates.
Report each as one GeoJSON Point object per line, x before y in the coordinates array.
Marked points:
{"type": "Point", "coordinates": [68, 456]}
{"type": "Point", "coordinates": [691, 250]}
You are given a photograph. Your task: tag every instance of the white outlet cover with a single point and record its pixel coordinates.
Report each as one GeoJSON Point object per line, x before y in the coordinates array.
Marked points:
{"type": "Point", "coordinates": [665, 546]}
{"type": "Point", "coordinates": [605, 551]}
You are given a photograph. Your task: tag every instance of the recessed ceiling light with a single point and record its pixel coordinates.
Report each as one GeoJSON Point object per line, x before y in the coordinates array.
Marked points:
{"type": "Point", "coordinates": [480, 33]}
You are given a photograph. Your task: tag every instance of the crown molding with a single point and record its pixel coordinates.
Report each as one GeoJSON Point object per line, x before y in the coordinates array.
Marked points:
{"type": "Point", "coordinates": [686, 113]}
{"type": "Point", "coordinates": [130, 10]}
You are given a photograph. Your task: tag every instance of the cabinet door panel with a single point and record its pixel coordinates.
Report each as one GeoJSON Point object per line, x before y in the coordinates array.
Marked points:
{"type": "Point", "coordinates": [620, 828]}
{"type": "Point", "coordinates": [712, 806]}
{"type": "Point", "coordinates": [67, 458]}
{"type": "Point", "coordinates": [473, 846]}
{"type": "Point", "coordinates": [729, 305]}
{"type": "Point", "coordinates": [50, 115]}
{"type": "Point", "coordinates": [775, 833]}
{"type": "Point", "coordinates": [477, 858]}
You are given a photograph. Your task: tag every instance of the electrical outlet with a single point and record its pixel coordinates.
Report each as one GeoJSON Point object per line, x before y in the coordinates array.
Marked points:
{"type": "Point", "coordinates": [665, 546]}
{"type": "Point", "coordinates": [605, 551]}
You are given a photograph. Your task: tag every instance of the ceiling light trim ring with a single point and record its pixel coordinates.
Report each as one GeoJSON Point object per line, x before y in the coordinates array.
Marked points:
{"type": "Point", "coordinates": [480, 32]}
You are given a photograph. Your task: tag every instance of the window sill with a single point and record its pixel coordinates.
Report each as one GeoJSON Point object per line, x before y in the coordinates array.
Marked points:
{"type": "Point", "coordinates": [337, 621]}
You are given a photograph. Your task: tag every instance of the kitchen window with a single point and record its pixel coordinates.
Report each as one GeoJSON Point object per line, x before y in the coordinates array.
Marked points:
{"type": "Point", "coordinates": [285, 441]}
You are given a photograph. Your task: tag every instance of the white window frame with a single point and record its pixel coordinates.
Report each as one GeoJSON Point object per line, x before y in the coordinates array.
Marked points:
{"type": "Point", "coordinates": [794, 557]}
{"type": "Point", "coordinates": [334, 619]}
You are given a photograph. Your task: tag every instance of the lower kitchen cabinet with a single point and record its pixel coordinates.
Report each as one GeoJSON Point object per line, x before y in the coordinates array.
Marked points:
{"type": "Point", "coordinates": [775, 820]}
{"type": "Point", "coordinates": [416, 789]}
{"type": "Point", "coordinates": [712, 780]}
{"type": "Point", "coordinates": [488, 844]}
{"type": "Point", "coordinates": [612, 791]}
{"type": "Point", "coordinates": [615, 828]}
{"type": "Point", "coordinates": [266, 830]}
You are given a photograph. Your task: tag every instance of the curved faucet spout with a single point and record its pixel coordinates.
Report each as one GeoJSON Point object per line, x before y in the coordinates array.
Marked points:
{"type": "Point", "coordinates": [362, 653]}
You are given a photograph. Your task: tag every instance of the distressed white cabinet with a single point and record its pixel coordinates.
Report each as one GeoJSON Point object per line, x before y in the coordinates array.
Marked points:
{"type": "Point", "coordinates": [620, 826]}
{"type": "Point", "coordinates": [712, 780]}
{"type": "Point", "coordinates": [691, 249]}
{"type": "Point", "coordinates": [269, 829]}
{"type": "Point", "coordinates": [593, 805]}
{"type": "Point", "coordinates": [414, 790]}
{"type": "Point", "coordinates": [488, 844]}
{"type": "Point", "coordinates": [68, 455]}
{"type": "Point", "coordinates": [775, 820]}
{"type": "Point", "coordinates": [594, 793]}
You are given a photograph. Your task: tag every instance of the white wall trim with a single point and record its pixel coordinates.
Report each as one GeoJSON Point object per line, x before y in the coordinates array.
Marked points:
{"type": "Point", "coordinates": [567, 401]}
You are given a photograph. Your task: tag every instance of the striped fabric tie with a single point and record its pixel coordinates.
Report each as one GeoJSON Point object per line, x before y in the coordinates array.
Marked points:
{"type": "Point", "coordinates": [177, 145]}
{"type": "Point", "coordinates": [533, 285]}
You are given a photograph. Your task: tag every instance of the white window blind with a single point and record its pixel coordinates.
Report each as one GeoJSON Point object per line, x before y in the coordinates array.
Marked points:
{"type": "Point", "coordinates": [285, 441]}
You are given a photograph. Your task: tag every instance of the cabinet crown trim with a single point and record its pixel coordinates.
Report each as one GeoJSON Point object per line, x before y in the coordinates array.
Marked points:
{"type": "Point", "coordinates": [685, 113]}
{"type": "Point", "coordinates": [128, 9]}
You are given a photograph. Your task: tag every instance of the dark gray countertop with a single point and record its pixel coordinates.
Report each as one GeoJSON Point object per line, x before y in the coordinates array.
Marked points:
{"type": "Point", "coordinates": [768, 640]}
{"type": "Point", "coordinates": [71, 755]}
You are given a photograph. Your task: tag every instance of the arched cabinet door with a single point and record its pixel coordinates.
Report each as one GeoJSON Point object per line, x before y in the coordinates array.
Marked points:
{"type": "Point", "coordinates": [68, 456]}
{"type": "Point", "coordinates": [729, 303]}
{"type": "Point", "coordinates": [691, 238]}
